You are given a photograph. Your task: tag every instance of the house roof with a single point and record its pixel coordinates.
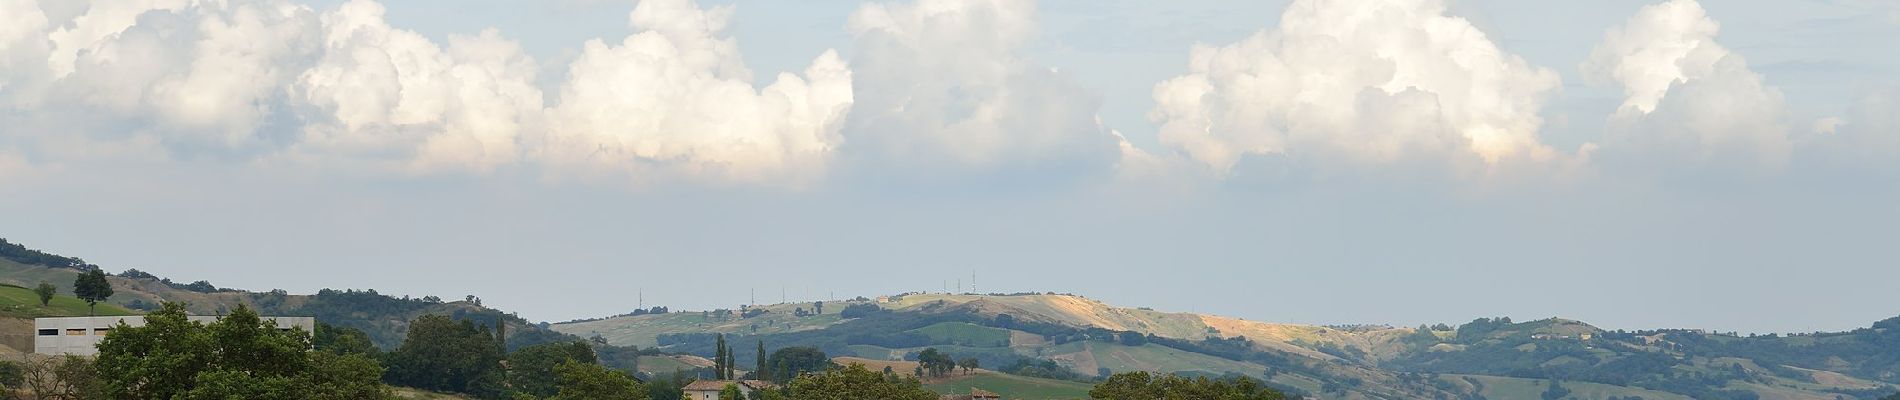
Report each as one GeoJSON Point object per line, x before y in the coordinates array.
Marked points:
{"type": "Point", "coordinates": [716, 385]}
{"type": "Point", "coordinates": [708, 385]}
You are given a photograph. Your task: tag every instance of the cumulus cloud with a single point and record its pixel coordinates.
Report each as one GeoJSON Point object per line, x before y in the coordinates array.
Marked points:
{"type": "Point", "coordinates": [23, 48]}
{"type": "Point", "coordinates": [1867, 138]}
{"type": "Point", "coordinates": [675, 98]}
{"type": "Point", "coordinates": [1358, 84]}
{"type": "Point", "coordinates": [203, 72]}
{"type": "Point", "coordinates": [1688, 100]}
{"type": "Point", "coordinates": [392, 93]}
{"type": "Point", "coordinates": [943, 90]}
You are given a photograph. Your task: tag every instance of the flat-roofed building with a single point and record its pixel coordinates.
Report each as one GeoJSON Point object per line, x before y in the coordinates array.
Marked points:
{"type": "Point", "coordinates": [81, 335]}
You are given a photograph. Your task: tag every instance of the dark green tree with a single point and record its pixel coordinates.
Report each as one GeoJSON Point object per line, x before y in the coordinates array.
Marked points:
{"type": "Point", "coordinates": [531, 370]}
{"type": "Point", "coordinates": [239, 356]}
{"type": "Point", "coordinates": [719, 358]}
{"type": "Point", "coordinates": [759, 372]}
{"type": "Point", "coordinates": [1556, 390]}
{"type": "Point", "coordinates": [731, 392]}
{"type": "Point", "coordinates": [587, 381]}
{"type": "Point", "coordinates": [935, 362]}
{"type": "Point", "coordinates": [343, 340]}
{"type": "Point", "coordinates": [46, 292]}
{"type": "Point", "coordinates": [1144, 386]}
{"type": "Point", "coordinates": [443, 354]}
{"type": "Point", "coordinates": [790, 362]}
{"type": "Point", "coordinates": [857, 383]}
{"type": "Point", "coordinates": [92, 287]}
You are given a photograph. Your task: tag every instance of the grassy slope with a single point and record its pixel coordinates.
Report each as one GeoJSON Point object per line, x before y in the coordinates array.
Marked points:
{"type": "Point", "coordinates": [642, 330]}
{"type": "Point", "coordinates": [967, 334]}
{"type": "Point", "coordinates": [667, 364]}
{"type": "Point", "coordinates": [20, 302]}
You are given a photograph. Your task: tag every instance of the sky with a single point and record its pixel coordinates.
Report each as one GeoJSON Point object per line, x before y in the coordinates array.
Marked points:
{"type": "Point", "coordinates": [1730, 165]}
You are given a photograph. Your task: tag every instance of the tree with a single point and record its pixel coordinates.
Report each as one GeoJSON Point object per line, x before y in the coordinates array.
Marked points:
{"type": "Point", "coordinates": [343, 340]}
{"type": "Point", "coordinates": [443, 354]}
{"type": "Point", "coordinates": [92, 287]}
{"type": "Point", "coordinates": [1556, 391]}
{"type": "Point", "coordinates": [818, 308]}
{"type": "Point", "coordinates": [968, 364]}
{"type": "Point", "coordinates": [790, 362]}
{"type": "Point", "coordinates": [1144, 386]}
{"type": "Point", "coordinates": [719, 358]}
{"type": "Point", "coordinates": [935, 362]}
{"type": "Point", "coordinates": [46, 292]}
{"type": "Point", "coordinates": [239, 356]}
{"type": "Point", "coordinates": [758, 371]}
{"type": "Point", "coordinates": [68, 377]}
{"type": "Point", "coordinates": [587, 381]}
{"type": "Point", "coordinates": [531, 369]}
{"type": "Point", "coordinates": [731, 392]}
{"type": "Point", "coordinates": [856, 383]}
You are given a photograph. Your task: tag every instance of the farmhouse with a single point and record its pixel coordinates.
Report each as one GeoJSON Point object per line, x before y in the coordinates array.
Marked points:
{"type": "Point", "coordinates": [709, 389]}
{"type": "Point", "coordinates": [81, 335]}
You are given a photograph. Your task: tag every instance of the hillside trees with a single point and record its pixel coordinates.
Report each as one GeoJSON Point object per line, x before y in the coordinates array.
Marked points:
{"type": "Point", "coordinates": [443, 354]}
{"type": "Point", "coordinates": [1145, 386]}
{"type": "Point", "coordinates": [589, 381]}
{"type": "Point", "coordinates": [856, 383]}
{"type": "Point", "coordinates": [92, 287]}
{"type": "Point", "coordinates": [935, 362]}
{"type": "Point", "coordinates": [790, 362]}
{"type": "Point", "coordinates": [46, 292]}
{"type": "Point", "coordinates": [531, 370]}
{"type": "Point", "coordinates": [239, 356]}
{"type": "Point", "coordinates": [860, 310]}
{"type": "Point", "coordinates": [342, 340]}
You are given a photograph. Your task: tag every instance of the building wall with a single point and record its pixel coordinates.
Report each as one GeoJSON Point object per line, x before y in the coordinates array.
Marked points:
{"type": "Point", "coordinates": [81, 335]}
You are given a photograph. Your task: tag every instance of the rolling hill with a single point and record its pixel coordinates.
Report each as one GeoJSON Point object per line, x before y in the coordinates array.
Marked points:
{"type": "Point", "coordinates": [1486, 358]}
{"type": "Point", "coordinates": [1079, 339]}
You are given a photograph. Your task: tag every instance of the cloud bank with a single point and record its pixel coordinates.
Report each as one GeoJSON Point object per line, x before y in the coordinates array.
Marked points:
{"type": "Point", "coordinates": [933, 91]}
{"type": "Point", "coordinates": [943, 90]}
{"type": "Point", "coordinates": [1358, 84]}
{"type": "Point", "coordinates": [1689, 103]}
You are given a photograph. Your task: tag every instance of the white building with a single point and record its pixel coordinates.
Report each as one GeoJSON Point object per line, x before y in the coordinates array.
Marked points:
{"type": "Point", "coordinates": [81, 335]}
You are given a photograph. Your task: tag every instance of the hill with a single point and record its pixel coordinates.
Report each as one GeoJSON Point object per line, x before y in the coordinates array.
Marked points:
{"type": "Point", "coordinates": [1485, 358]}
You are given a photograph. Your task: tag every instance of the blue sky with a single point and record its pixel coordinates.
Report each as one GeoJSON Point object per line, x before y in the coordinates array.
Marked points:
{"type": "Point", "coordinates": [1727, 165]}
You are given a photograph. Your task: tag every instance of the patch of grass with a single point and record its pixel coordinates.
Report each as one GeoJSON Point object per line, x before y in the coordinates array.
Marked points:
{"type": "Point", "coordinates": [21, 302]}
{"type": "Point", "coordinates": [966, 334]}
{"type": "Point", "coordinates": [1014, 387]}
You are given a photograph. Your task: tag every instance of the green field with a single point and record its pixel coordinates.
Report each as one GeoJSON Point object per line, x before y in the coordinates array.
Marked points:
{"type": "Point", "coordinates": [966, 334]}
{"type": "Point", "coordinates": [663, 365]}
{"type": "Point", "coordinates": [1015, 387]}
{"type": "Point", "coordinates": [20, 302]}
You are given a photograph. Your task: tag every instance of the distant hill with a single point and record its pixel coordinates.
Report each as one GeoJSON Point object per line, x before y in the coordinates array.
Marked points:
{"type": "Point", "coordinates": [1078, 339]}
{"type": "Point", "coordinates": [1485, 358]}
{"type": "Point", "coordinates": [384, 318]}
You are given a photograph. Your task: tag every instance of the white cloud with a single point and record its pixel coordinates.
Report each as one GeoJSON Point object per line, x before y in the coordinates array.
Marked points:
{"type": "Point", "coordinates": [942, 89]}
{"type": "Point", "coordinates": [1358, 84]}
{"type": "Point", "coordinates": [393, 93]}
{"type": "Point", "coordinates": [23, 47]}
{"type": "Point", "coordinates": [675, 99]}
{"type": "Point", "coordinates": [1688, 99]}
{"type": "Point", "coordinates": [1867, 138]}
